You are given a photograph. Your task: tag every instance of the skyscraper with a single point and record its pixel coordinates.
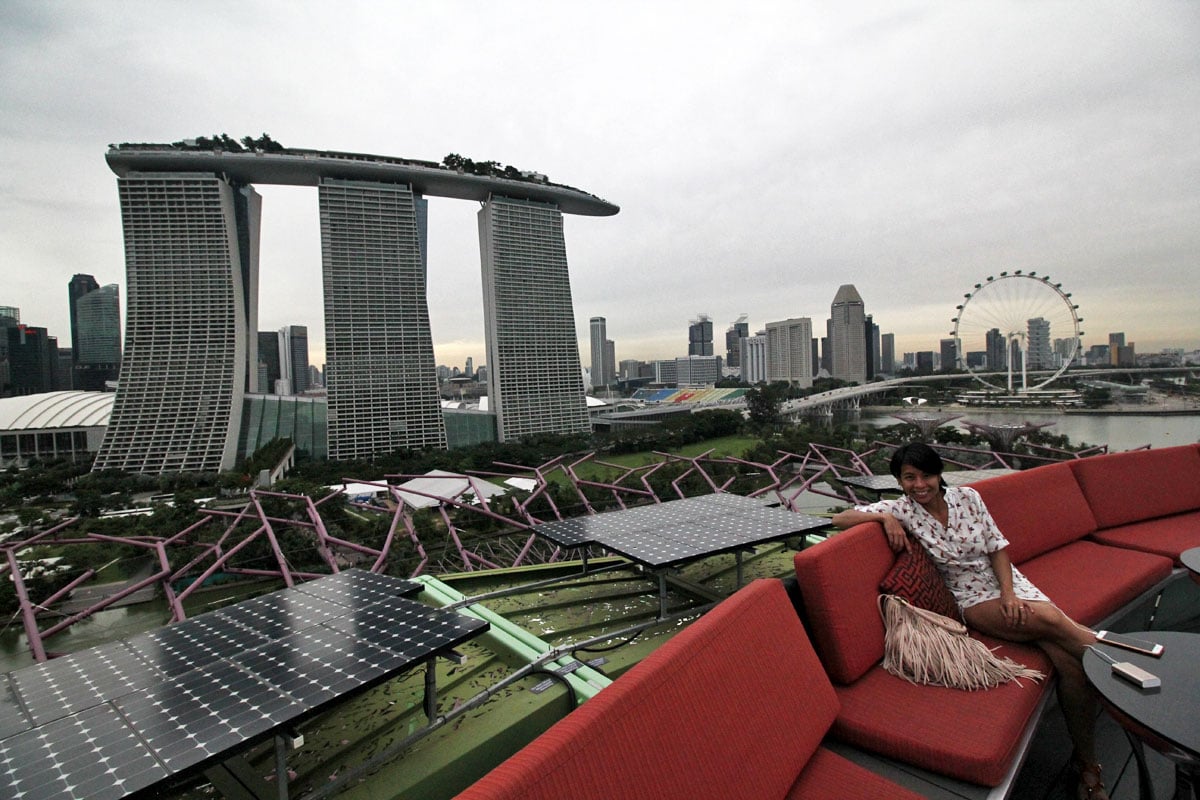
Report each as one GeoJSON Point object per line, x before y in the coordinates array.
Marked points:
{"type": "Point", "coordinates": [887, 353]}
{"type": "Point", "coordinates": [269, 362]}
{"type": "Point", "coordinates": [871, 338]}
{"type": "Point", "coordinates": [949, 354]}
{"type": "Point", "coordinates": [95, 332]}
{"type": "Point", "coordinates": [1039, 347]}
{"type": "Point", "coordinates": [191, 261]}
{"type": "Point", "coordinates": [789, 351]}
{"type": "Point", "coordinates": [602, 368]}
{"type": "Point", "coordinates": [847, 338]}
{"type": "Point", "coordinates": [753, 357]}
{"type": "Point", "coordinates": [535, 380]}
{"type": "Point", "coordinates": [293, 354]}
{"type": "Point", "coordinates": [997, 350]}
{"type": "Point", "coordinates": [380, 374]}
{"type": "Point", "coordinates": [32, 359]}
{"type": "Point", "coordinates": [700, 336]}
{"type": "Point", "coordinates": [738, 330]}
{"type": "Point", "coordinates": [79, 286]}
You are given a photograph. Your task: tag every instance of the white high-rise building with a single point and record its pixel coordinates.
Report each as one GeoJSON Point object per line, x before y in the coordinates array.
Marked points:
{"type": "Point", "coordinates": [789, 351]}
{"type": "Point", "coordinates": [1039, 345]}
{"type": "Point", "coordinates": [754, 358]}
{"type": "Point", "coordinates": [380, 376]}
{"type": "Point", "coordinates": [535, 380]}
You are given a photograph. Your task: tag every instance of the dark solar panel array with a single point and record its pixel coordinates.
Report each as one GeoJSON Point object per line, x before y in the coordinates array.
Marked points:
{"type": "Point", "coordinates": [668, 533]}
{"type": "Point", "coordinates": [116, 719]}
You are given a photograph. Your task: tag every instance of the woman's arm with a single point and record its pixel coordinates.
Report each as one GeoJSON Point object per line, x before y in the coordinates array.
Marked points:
{"type": "Point", "coordinates": [1012, 608]}
{"type": "Point", "coordinates": [896, 535]}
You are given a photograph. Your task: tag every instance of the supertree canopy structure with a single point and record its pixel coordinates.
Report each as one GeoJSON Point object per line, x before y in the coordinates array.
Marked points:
{"type": "Point", "coordinates": [1001, 435]}
{"type": "Point", "coordinates": [926, 421]}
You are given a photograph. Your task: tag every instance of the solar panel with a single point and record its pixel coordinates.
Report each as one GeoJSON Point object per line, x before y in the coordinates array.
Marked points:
{"type": "Point", "coordinates": [92, 754]}
{"type": "Point", "coordinates": [116, 719]}
{"type": "Point", "coordinates": [567, 532]}
{"type": "Point", "coordinates": [663, 534]}
{"type": "Point", "coordinates": [12, 718]}
{"type": "Point", "coordinates": [72, 683]}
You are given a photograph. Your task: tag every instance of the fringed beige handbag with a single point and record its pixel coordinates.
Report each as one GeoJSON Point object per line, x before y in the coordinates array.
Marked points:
{"type": "Point", "coordinates": [926, 648]}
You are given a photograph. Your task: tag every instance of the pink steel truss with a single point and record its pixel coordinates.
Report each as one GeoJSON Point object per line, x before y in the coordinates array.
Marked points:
{"type": "Point", "coordinates": [469, 530]}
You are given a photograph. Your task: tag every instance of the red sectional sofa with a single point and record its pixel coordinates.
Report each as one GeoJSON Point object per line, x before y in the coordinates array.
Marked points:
{"type": "Point", "coordinates": [734, 706]}
{"type": "Point", "coordinates": [739, 704]}
{"type": "Point", "coordinates": [1096, 535]}
{"type": "Point", "coordinates": [1144, 499]}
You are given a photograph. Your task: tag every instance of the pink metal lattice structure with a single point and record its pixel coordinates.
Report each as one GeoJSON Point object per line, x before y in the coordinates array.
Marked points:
{"type": "Point", "coordinates": [220, 541]}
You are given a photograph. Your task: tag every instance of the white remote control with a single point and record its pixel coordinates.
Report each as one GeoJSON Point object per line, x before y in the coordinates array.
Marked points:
{"type": "Point", "coordinates": [1136, 675]}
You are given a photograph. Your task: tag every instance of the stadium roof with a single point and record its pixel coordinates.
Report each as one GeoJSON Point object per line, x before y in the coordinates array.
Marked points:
{"type": "Point", "coordinates": [55, 410]}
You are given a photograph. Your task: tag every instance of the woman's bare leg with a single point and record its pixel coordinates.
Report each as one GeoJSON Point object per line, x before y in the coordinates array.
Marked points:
{"type": "Point", "coordinates": [1063, 641]}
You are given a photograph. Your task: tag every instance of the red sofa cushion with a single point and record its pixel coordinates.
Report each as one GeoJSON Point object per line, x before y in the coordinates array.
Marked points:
{"type": "Point", "coordinates": [1165, 536]}
{"type": "Point", "coordinates": [1140, 484]}
{"type": "Point", "coordinates": [915, 577]}
{"type": "Point", "coordinates": [733, 706]}
{"type": "Point", "coordinates": [829, 775]}
{"type": "Point", "coordinates": [1090, 581]}
{"type": "Point", "coordinates": [972, 736]}
{"type": "Point", "coordinates": [1038, 509]}
{"type": "Point", "coordinates": [839, 583]}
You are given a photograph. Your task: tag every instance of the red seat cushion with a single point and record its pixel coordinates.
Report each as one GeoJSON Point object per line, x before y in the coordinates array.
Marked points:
{"type": "Point", "coordinates": [1038, 509]}
{"type": "Point", "coordinates": [1090, 581]}
{"type": "Point", "coordinates": [839, 582]}
{"type": "Point", "coordinates": [732, 706]}
{"type": "Point", "coordinates": [1165, 536]}
{"type": "Point", "coordinates": [829, 775]}
{"type": "Point", "coordinates": [972, 736]}
{"type": "Point", "coordinates": [1140, 484]}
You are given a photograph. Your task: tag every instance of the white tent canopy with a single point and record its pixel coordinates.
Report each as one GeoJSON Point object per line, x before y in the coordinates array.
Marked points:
{"type": "Point", "coordinates": [445, 485]}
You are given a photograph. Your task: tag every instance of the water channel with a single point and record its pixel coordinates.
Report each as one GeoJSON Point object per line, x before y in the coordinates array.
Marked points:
{"type": "Point", "coordinates": [1119, 431]}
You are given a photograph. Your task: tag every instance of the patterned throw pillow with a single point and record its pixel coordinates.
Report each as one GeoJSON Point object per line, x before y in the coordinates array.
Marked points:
{"type": "Point", "coordinates": [915, 578]}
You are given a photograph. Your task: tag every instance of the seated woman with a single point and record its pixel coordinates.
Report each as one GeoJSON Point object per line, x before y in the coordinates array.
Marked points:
{"type": "Point", "coordinates": [954, 526]}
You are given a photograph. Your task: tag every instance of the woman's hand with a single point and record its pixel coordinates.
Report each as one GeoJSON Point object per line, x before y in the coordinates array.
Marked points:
{"type": "Point", "coordinates": [896, 535]}
{"type": "Point", "coordinates": [1014, 610]}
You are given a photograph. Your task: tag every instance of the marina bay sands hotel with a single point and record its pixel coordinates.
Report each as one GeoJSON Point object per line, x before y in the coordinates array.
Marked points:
{"type": "Point", "coordinates": [191, 220]}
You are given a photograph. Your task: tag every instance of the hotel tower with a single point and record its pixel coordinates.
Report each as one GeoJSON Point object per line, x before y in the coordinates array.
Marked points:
{"type": "Point", "coordinates": [191, 219]}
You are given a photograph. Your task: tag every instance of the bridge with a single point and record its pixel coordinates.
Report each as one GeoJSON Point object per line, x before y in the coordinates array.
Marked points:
{"type": "Point", "coordinates": [850, 398]}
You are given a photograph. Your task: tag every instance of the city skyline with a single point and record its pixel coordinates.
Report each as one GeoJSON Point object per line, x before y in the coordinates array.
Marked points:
{"type": "Point", "coordinates": [777, 154]}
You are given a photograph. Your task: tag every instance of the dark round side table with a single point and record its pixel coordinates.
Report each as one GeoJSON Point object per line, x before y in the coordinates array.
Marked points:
{"type": "Point", "coordinates": [1191, 560]}
{"type": "Point", "coordinates": [1166, 718]}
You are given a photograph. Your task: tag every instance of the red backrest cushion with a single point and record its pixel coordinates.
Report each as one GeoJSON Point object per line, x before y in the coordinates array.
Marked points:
{"type": "Point", "coordinates": [839, 581]}
{"type": "Point", "coordinates": [1140, 484]}
{"type": "Point", "coordinates": [732, 706]}
{"type": "Point", "coordinates": [1038, 509]}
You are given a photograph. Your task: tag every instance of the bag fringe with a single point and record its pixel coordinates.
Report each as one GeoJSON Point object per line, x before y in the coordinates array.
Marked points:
{"type": "Point", "coordinates": [926, 648]}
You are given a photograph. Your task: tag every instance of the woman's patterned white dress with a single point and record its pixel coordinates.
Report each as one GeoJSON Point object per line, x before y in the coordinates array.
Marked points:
{"type": "Point", "coordinates": [961, 549]}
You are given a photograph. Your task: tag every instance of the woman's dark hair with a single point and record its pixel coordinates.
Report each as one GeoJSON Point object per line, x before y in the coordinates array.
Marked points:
{"type": "Point", "coordinates": [919, 455]}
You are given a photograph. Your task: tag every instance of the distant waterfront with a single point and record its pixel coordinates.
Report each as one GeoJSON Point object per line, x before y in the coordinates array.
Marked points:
{"type": "Point", "coordinates": [1128, 428]}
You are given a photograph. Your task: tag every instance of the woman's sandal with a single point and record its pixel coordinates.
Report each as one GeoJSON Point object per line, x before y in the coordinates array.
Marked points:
{"type": "Point", "coordinates": [1090, 787]}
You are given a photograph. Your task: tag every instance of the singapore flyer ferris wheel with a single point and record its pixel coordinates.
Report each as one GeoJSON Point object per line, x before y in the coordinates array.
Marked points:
{"type": "Point", "coordinates": [1017, 326]}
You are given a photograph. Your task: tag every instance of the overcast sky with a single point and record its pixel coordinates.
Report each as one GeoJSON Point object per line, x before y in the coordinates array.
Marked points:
{"type": "Point", "coordinates": [762, 154]}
